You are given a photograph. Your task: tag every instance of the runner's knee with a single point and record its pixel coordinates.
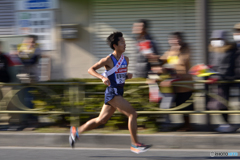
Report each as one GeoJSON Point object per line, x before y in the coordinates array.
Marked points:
{"type": "Point", "coordinates": [133, 115]}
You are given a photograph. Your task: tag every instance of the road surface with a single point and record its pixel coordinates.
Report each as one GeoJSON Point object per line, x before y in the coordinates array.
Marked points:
{"type": "Point", "coordinates": [37, 153]}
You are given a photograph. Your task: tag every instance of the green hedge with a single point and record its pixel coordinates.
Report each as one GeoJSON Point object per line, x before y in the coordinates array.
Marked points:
{"type": "Point", "coordinates": [93, 103]}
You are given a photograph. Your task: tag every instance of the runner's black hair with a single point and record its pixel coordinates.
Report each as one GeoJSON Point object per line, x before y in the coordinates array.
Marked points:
{"type": "Point", "coordinates": [113, 39]}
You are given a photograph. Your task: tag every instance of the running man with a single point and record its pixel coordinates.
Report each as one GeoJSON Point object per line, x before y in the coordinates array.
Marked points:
{"type": "Point", "coordinates": [114, 77]}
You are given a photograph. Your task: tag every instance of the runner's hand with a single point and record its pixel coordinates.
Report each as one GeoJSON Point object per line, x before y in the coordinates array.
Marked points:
{"type": "Point", "coordinates": [129, 75]}
{"type": "Point", "coordinates": [106, 81]}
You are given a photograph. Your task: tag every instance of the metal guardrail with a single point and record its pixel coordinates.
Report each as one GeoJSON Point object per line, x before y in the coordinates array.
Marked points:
{"type": "Point", "coordinates": [76, 92]}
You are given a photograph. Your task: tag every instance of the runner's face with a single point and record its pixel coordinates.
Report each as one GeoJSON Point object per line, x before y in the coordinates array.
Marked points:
{"type": "Point", "coordinates": [121, 45]}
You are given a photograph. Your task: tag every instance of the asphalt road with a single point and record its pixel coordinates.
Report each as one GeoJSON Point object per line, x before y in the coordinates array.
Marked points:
{"type": "Point", "coordinates": [31, 153]}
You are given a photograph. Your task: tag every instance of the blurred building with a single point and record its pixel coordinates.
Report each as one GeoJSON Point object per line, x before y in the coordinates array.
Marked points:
{"type": "Point", "coordinates": [73, 32]}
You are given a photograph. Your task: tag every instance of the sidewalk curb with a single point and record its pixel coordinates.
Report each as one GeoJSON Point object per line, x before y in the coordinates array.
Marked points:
{"type": "Point", "coordinates": [159, 141]}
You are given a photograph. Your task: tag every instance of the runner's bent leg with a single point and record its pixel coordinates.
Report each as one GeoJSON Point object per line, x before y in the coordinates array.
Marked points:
{"type": "Point", "coordinates": [106, 113]}
{"type": "Point", "coordinates": [125, 107]}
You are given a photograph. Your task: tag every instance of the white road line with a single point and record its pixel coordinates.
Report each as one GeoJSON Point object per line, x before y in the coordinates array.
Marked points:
{"type": "Point", "coordinates": [116, 149]}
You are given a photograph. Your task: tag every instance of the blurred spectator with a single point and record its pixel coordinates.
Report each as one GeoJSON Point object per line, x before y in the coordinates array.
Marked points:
{"type": "Point", "coordinates": [29, 53]}
{"type": "Point", "coordinates": [147, 55]}
{"type": "Point", "coordinates": [14, 64]}
{"type": "Point", "coordinates": [4, 75]}
{"type": "Point", "coordinates": [236, 37]}
{"type": "Point", "coordinates": [146, 48]}
{"type": "Point", "coordinates": [178, 59]}
{"type": "Point", "coordinates": [221, 60]}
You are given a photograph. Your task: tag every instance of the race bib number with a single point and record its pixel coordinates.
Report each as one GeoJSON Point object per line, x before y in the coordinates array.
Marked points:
{"type": "Point", "coordinates": [120, 75]}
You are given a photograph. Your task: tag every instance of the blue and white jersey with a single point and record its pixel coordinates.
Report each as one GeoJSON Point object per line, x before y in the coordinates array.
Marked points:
{"type": "Point", "coordinates": [118, 78]}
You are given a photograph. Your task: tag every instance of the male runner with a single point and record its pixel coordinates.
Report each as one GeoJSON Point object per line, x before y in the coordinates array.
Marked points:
{"type": "Point", "coordinates": [114, 77]}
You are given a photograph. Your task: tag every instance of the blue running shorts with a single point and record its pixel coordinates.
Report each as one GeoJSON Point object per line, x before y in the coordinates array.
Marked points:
{"type": "Point", "coordinates": [111, 92]}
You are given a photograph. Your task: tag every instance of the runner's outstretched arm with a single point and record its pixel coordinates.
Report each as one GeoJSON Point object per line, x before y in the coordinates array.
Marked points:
{"type": "Point", "coordinates": [92, 70]}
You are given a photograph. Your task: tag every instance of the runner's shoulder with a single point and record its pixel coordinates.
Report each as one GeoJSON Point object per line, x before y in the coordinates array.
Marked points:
{"type": "Point", "coordinates": [106, 60]}
{"type": "Point", "coordinates": [126, 58]}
